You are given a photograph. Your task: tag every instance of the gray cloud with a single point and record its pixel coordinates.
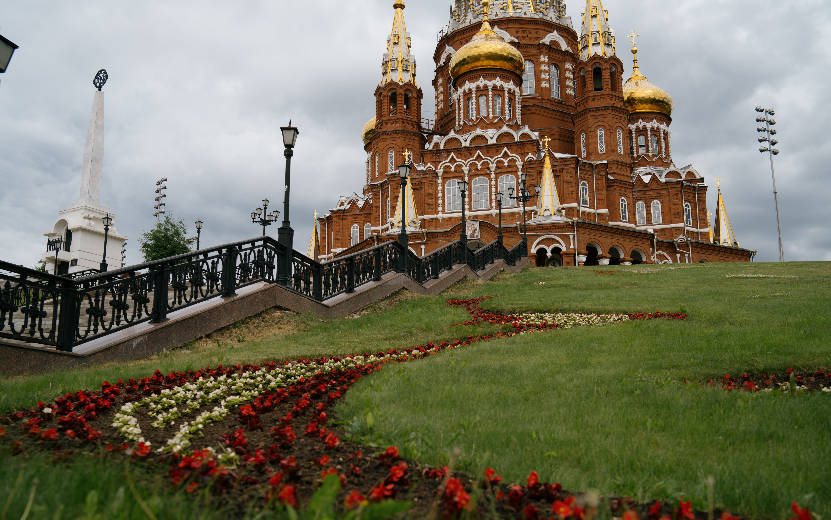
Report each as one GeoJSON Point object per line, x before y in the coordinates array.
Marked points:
{"type": "Point", "coordinates": [198, 91]}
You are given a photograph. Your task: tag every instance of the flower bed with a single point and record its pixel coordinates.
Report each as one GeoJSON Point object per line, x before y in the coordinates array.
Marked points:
{"type": "Point", "coordinates": [790, 382]}
{"type": "Point", "coordinates": [265, 433]}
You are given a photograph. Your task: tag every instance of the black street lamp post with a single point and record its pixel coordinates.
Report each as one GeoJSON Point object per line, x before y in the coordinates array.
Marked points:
{"type": "Point", "coordinates": [7, 49]}
{"type": "Point", "coordinates": [285, 235]}
{"type": "Point", "coordinates": [403, 173]}
{"type": "Point", "coordinates": [56, 244]}
{"type": "Point", "coordinates": [463, 236]}
{"type": "Point", "coordinates": [199, 232]}
{"type": "Point", "coordinates": [523, 195]}
{"type": "Point", "coordinates": [499, 238]}
{"type": "Point", "coordinates": [108, 221]}
{"type": "Point", "coordinates": [259, 216]}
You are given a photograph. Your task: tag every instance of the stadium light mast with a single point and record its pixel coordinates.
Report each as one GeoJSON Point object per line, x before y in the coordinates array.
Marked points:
{"type": "Point", "coordinates": [767, 137]}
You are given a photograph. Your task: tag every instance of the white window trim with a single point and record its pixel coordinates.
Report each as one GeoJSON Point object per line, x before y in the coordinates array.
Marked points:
{"type": "Point", "coordinates": [483, 193]}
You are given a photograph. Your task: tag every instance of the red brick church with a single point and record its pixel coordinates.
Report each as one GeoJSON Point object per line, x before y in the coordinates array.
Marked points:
{"type": "Point", "coordinates": [520, 95]}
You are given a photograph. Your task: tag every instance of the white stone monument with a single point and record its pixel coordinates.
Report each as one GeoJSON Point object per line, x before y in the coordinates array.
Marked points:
{"type": "Point", "coordinates": [81, 226]}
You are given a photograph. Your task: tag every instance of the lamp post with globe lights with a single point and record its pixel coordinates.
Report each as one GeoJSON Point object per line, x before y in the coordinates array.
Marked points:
{"type": "Point", "coordinates": [499, 234]}
{"type": "Point", "coordinates": [767, 137]}
{"type": "Point", "coordinates": [259, 216]}
{"type": "Point", "coordinates": [523, 195]}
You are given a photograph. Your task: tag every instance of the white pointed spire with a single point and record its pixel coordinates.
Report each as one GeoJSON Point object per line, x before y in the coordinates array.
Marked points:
{"type": "Point", "coordinates": [93, 165]}
{"type": "Point", "coordinates": [597, 36]}
{"type": "Point", "coordinates": [548, 200]}
{"type": "Point", "coordinates": [412, 213]}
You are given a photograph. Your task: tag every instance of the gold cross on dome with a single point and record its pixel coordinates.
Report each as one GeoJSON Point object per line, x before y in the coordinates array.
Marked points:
{"type": "Point", "coordinates": [718, 181]}
{"type": "Point", "coordinates": [632, 37]}
{"type": "Point", "coordinates": [545, 140]}
{"type": "Point", "coordinates": [315, 215]}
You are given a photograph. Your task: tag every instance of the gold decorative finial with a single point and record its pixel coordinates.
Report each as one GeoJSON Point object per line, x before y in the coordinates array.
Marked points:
{"type": "Point", "coordinates": [399, 4]}
{"type": "Point", "coordinates": [316, 215]}
{"type": "Point", "coordinates": [718, 182]}
{"type": "Point", "coordinates": [407, 156]}
{"type": "Point", "coordinates": [486, 9]}
{"type": "Point", "coordinates": [636, 71]}
{"type": "Point", "coordinates": [545, 142]}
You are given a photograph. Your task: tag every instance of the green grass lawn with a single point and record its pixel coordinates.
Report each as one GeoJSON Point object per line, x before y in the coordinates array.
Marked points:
{"type": "Point", "coordinates": [602, 408]}
{"type": "Point", "coordinates": [606, 407]}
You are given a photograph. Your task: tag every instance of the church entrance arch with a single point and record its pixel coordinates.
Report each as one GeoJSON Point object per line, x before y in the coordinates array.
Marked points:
{"type": "Point", "coordinates": [615, 255]}
{"type": "Point", "coordinates": [593, 251]}
{"type": "Point", "coordinates": [542, 257]}
{"type": "Point", "coordinates": [637, 257]}
{"type": "Point", "coordinates": [556, 258]}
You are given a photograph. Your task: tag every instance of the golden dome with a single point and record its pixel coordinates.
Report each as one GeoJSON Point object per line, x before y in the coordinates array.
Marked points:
{"type": "Point", "coordinates": [640, 95]}
{"type": "Point", "coordinates": [487, 50]}
{"type": "Point", "coordinates": [368, 131]}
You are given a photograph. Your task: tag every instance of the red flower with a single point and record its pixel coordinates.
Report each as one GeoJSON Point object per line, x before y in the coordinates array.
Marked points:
{"type": "Point", "coordinates": [655, 510]}
{"type": "Point", "coordinates": [275, 480]}
{"type": "Point", "coordinates": [354, 500]}
{"type": "Point", "coordinates": [727, 516]}
{"type": "Point", "coordinates": [533, 479]}
{"type": "Point", "coordinates": [2, 431]}
{"type": "Point", "coordinates": [492, 477]}
{"type": "Point", "coordinates": [437, 473]}
{"type": "Point", "coordinates": [801, 513]}
{"type": "Point", "coordinates": [191, 487]}
{"type": "Point", "coordinates": [532, 513]}
{"type": "Point", "coordinates": [355, 470]}
{"type": "Point", "coordinates": [49, 435]}
{"type": "Point", "coordinates": [630, 515]}
{"type": "Point", "coordinates": [288, 496]}
{"type": "Point", "coordinates": [381, 492]}
{"type": "Point", "coordinates": [563, 509]}
{"type": "Point", "coordinates": [142, 450]}
{"type": "Point", "coordinates": [455, 496]}
{"type": "Point", "coordinates": [515, 496]}
{"type": "Point", "coordinates": [685, 509]}
{"type": "Point", "coordinates": [332, 441]}
{"type": "Point", "coordinates": [322, 461]}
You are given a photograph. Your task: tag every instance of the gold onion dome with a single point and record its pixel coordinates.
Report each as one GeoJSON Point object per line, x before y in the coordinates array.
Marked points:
{"type": "Point", "coordinates": [640, 95]}
{"type": "Point", "coordinates": [369, 131]}
{"type": "Point", "coordinates": [486, 50]}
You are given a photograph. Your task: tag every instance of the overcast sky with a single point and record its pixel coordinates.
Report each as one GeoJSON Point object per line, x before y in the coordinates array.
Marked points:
{"type": "Point", "coordinates": [198, 91]}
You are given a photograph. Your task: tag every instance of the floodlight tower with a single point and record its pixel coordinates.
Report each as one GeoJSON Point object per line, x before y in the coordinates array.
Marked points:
{"type": "Point", "coordinates": [767, 137]}
{"type": "Point", "coordinates": [160, 194]}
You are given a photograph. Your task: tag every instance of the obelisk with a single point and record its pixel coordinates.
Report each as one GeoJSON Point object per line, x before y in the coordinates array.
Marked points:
{"type": "Point", "coordinates": [93, 162]}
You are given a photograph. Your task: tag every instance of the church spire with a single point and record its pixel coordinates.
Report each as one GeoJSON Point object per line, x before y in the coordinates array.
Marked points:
{"type": "Point", "coordinates": [398, 65]}
{"type": "Point", "coordinates": [93, 162]}
{"type": "Point", "coordinates": [548, 201]}
{"type": "Point", "coordinates": [313, 243]}
{"type": "Point", "coordinates": [597, 36]}
{"type": "Point", "coordinates": [724, 235]}
{"type": "Point", "coordinates": [408, 199]}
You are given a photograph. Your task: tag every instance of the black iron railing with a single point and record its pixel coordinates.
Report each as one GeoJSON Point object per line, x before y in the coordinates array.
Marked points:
{"type": "Point", "coordinates": [37, 307]}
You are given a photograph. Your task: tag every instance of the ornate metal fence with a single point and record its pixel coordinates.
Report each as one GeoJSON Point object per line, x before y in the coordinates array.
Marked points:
{"type": "Point", "coordinates": [36, 307]}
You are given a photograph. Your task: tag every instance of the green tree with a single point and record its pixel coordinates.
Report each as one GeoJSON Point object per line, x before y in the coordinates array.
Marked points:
{"type": "Point", "coordinates": [40, 266]}
{"type": "Point", "coordinates": [168, 238]}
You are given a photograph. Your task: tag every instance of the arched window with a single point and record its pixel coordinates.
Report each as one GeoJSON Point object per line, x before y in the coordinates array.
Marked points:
{"type": "Point", "coordinates": [601, 140]}
{"type": "Point", "coordinates": [640, 210]}
{"type": "Point", "coordinates": [367, 230]}
{"type": "Point", "coordinates": [452, 196]}
{"type": "Point", "coordinates": [555, 82]}
{"type": "Point", "coordinates": [641, 144]}
{"type": "Point", "coordinates": [583, 145]}
{"type": "Point", "coordinates": [483, 106]}
{"type": "Point", "coordinates": [624, 210]}
{"type": "Point", "coordinates": [407, 102]}
{"type": "Point", "coordinates": [597, 76]}
{"type": "Point", "coordinates": [656, 212]}
{"type": "Point", "coordinates": [655, 149]}
{"type": "Point", "coordinates": [481, 200]}
{"type": "Point", "coordinates": [450, 95]}
{"type": "Point", "coordinates": [687, 214]}
{"type": "Point", "coordinates": [497, 106]}
{"type": "Point", "coordinates": [584, 194]}
{"type": "Point", "coordinates": [355, 236]}
{"type": "Point", "coordinates": [613, 77]}
{"type": "Point", "coordinates": [391, 161]}
{"type": "Point", "coordinates": [504, 184]}
{"type": "Point", "coordinates": [393, 102]}
{"type": "Point", "coordinates": [509, 107]}
{"type": "Point", "coordinates": [471, 110]}
{"type": "Point", "coordinates": [620, 141]}
{"type": "Point", "coordinates": [529, 79]}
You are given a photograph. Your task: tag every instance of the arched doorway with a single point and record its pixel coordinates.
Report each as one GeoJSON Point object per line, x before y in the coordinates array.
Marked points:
{"type": "Point", "coordinates": [542, 257]}
{"type": "Point", "coordinates": [615, 256]}
{"type": "Point", "coordinates": [593, 252]}
{"type": "Point", "coordinates": [637, 257]}
{"type": "Point", "coordinates": [556, 259]}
